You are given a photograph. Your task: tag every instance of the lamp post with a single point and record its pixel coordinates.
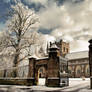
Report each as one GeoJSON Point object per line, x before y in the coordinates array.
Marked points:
{"type": "Point", "coordinates": [90, 61]}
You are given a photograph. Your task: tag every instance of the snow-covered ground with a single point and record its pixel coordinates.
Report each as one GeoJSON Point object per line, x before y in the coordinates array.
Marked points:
{"type": "Point", "coordinates": [75, 85]}
{"type": "Point", "coordinates": [78, 85]}
{"type": "Point", "coordinates": [41, 81]}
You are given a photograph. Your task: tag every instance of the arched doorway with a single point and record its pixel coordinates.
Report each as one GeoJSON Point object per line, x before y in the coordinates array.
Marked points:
{"type": "Point", "coordinates": [78, 71]}
{"type": "Point", "coordinates": [87, 72]}
{"type": "Point", "coordinates": [41, 75]}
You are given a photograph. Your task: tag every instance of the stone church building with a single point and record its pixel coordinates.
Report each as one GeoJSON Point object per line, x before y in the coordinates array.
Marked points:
{"type": "Point", "coordinates": [54, 68]}
{"type": "Point", "coordinates": [78, 62]}
{"type": "Point", "coordinates": [58, 65]}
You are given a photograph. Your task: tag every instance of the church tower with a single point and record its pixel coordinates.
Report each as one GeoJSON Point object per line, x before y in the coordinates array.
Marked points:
{"type": "Point", "coordinates": [64, 47]}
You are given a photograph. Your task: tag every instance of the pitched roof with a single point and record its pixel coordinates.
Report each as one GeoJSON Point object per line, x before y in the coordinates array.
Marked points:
{"type": "Point", "coordinates": [77, 55]}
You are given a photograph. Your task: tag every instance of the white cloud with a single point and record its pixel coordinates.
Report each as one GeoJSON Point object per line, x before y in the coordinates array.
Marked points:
{"type": "Point", "coordinates": [57, 33]}
{"type": "Point", "coordinates": [70, 21]}
{"type": "Point", "coordinates": [48, 17]}
{"type": "Point", "coordinates": [79, 45]}
{"type": "Point", "coordinates": [49, 38]}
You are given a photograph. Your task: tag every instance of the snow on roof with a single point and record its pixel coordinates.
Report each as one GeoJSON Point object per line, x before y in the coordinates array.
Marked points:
{"type": "Point", "coordinates": [34, 56]}
{"type": "Point", "coordinates": [77, 55]}
{"type": "Point", "coordinates": [38, 58]}
{"type": "Point", "coordinates": [42, 58]}
{"type": "Point", "coordinates": [54, 46]}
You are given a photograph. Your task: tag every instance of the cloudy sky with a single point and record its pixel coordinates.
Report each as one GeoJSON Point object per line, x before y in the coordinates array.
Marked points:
{"type": "Point", "coordinates": [70, 20]}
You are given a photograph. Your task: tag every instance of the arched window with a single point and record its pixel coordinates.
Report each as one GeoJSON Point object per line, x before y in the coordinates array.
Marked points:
{"type": "Point", "coordinates": [78, 71]}
{"type": "Point", "coordinates": [42, 72]}
{"type": "Point", "coordinates": [69, 71]}
{"type": "Point", "coordinates": [87, 69]}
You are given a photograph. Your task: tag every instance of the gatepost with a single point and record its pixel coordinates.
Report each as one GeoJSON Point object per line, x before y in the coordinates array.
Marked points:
{"type": "Point", "coordinates": [90, 61]}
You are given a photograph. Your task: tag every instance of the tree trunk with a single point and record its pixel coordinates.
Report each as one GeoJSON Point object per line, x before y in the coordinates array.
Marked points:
{"type": "Point", "coordinates": [16, 65]}
{"type": "Point", "coordinates": [16, 59]}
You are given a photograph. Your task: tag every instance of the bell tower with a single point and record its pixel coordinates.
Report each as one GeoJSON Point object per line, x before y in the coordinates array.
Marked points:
{"type": "Point", "coordinates": [64, 47]}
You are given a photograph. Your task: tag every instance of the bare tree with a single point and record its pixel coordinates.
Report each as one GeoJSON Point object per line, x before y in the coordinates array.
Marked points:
{"type": "Point", "coordinates": [21, 32]}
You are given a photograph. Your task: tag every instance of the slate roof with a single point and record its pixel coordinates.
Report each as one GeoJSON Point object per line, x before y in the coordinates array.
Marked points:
{"type": "Point", "coordinates": [77, 55]}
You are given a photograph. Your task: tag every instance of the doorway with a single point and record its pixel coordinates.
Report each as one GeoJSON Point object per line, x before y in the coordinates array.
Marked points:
{"type": "Point", "coordinates": [41, 76]}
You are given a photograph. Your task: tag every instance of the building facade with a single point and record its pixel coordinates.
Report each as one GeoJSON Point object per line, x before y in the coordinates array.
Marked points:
{"type": "Point", "coordinates": [59, 65]}
{"type": "Point", "coordinates": [64, 47]}
{"type": "Point", "coordinates": [53, 68]}
{"type": "Point", "coordinates": [78, 64]}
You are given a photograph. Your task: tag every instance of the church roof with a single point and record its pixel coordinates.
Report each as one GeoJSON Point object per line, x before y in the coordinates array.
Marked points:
{"type": "Point", "coordinates": [77, 55]}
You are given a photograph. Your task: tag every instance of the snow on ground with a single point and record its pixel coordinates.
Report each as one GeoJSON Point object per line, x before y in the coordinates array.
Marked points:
{"type": "Point", "coordinates": [78, 85]}
{"type": "Point", "coordinates": [78, 81]}
{"type": "Point", "coordinates": [41, 81]}
{"type": "Point", "coordinates": [75, 85]}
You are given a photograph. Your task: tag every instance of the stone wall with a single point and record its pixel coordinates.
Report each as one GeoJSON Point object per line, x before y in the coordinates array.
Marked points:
{"type": "Point", "coordinates": [78, 68]}
{"type": "Point", "coordinates": [51, 66]}
{"type": "Point", "coordinates": [16, 81]}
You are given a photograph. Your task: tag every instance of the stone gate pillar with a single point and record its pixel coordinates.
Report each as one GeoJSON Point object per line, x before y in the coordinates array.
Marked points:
{"type": "Point", "coordinates": [90, 62]}
{"type": "Point", "coordinates": [32, 71]}
{"type": "Point", "coordinates": [53, 74]}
